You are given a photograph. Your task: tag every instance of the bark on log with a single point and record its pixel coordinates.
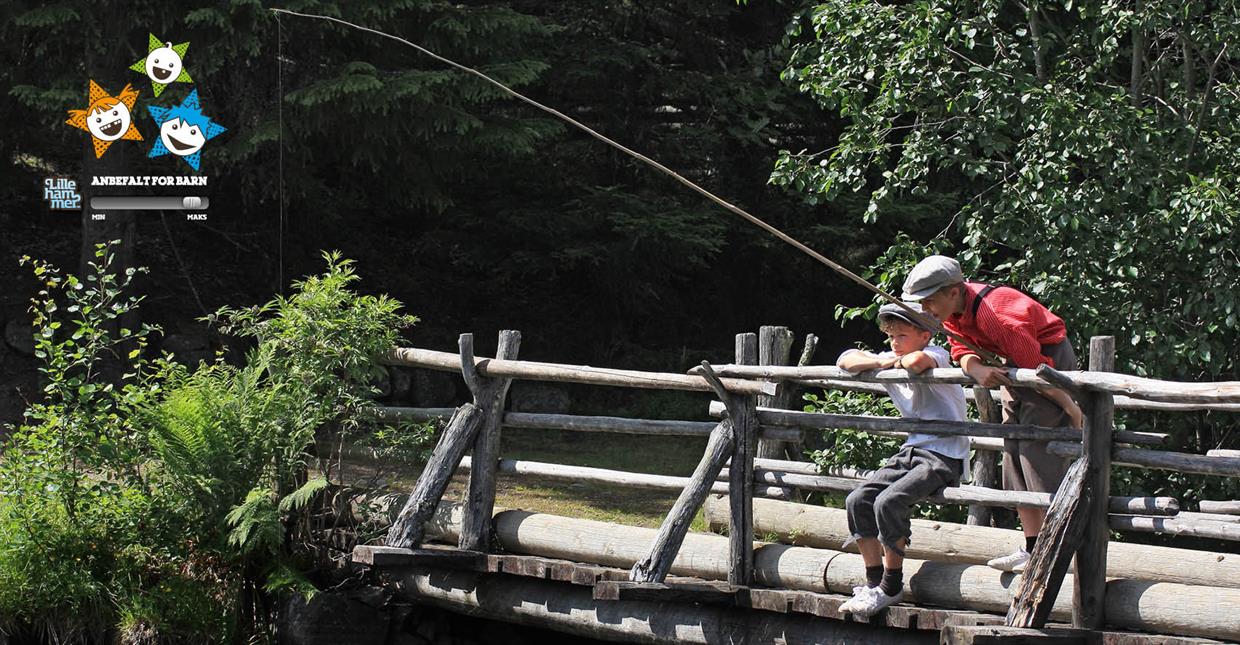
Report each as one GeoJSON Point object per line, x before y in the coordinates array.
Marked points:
{"type": "Point", "coordinates": [827, 528]}
{"type": "Point", "coordinates": [489, 395]}
{"type": "Point", "coordinates": [1231, 507]}
{"type": "Point", "coordinates": [572, 609]}
{"type": "Point", "coordinates": [658, 561]}
{"type": "Point", "coordinates": [1159, 459]}
{"type": "Point", "coordinates": [1131, 604]}
{"type": "Point", "coordinates": [1132, 386]}
{"type": "Point", "coordinates": [1058, 542]}
{"type": "Point", "coordinates": [408, 529]}
{"type": "Point", "coordinates": [536, 371]}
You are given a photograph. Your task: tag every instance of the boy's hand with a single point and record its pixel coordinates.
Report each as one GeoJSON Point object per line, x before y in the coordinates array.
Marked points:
{"type": "Point", "coordinates": [990, 376]}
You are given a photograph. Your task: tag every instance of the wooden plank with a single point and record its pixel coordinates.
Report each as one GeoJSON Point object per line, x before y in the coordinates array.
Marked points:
{"type": "Point", "coordinates": [489, 395]}
{"type": "Point", "coordinates": [1158, 459]}
{"type": "Point", "coordinates": [1121, 402]}
{"type": "Point", "coordinates": [771, 419]}
{"type": "Point", "coordinates": [559, 472]}
{"type": "Point", "coordinates": [562, 373]}
{"type": "Point", "coordinates": [410, 524]}
{"type": "Point", "coordinates": [1194, 527]}
{"type": "Point", "coordinates": [1057, 543]}
{"type": "Point", "coordinates": [703, 593]}
{"type": "Point", "coordinates": [1089, 590]}
{"type": "Point", "coordinates": [658, 562]}
{"type": "Point", "coordinates": [389, 556]}
{"type": "Point", "coordinates": [968, 494]}
{"type": "Point", "coordinates": [1131, 386]}
{"type": "Point", "coordinates": [1230, 507]}
{"type": "Point", "coordinates": [776, 600]}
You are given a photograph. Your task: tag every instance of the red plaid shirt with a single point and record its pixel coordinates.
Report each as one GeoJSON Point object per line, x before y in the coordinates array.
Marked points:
{"type": "Point", "coordinates": [1008, 323]}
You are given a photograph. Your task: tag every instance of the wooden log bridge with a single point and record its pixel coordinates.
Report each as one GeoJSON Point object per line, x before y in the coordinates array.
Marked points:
{"type": "Point", "coordinates": [672, 585]}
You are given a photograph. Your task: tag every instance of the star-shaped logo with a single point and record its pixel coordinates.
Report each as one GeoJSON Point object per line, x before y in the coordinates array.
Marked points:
{"type": "Point", "coordinates": [183, 130]}
{"type": "Point", "coordinates": [107, 118]}
{"type": "Point", "coordinates": [164, 64]}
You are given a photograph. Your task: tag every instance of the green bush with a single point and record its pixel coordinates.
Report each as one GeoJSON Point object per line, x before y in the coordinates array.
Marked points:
{"type": "Point", "coordinates": [145, 502]}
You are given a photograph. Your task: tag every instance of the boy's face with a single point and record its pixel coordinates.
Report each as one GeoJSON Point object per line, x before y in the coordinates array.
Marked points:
{"type": "Point", "coordinates": [905, 339]}
{"type": "Point", "coordinates": [945, 302]}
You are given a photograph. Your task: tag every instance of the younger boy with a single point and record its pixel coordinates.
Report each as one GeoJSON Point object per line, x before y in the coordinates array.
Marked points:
{"type": "Point", "coordinates": [878, 510]}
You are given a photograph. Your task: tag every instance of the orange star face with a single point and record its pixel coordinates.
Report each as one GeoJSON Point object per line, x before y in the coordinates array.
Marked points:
{"type": "Point", "coordinates": [108, 118]}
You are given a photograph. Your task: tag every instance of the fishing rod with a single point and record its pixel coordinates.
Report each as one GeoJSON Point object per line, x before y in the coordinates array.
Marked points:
{"type": "Point", "coordinates": [925, 321]}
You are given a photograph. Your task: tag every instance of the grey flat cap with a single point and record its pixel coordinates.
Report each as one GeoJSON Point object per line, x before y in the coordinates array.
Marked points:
{"type": "Point", "coordinates": [892, 310]}
{"type": "Point", "coordinates": [930, 275]}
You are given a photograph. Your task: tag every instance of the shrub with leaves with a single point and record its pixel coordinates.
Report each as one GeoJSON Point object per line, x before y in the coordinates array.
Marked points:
{"type": "Point", "coordinates": [142, 499]}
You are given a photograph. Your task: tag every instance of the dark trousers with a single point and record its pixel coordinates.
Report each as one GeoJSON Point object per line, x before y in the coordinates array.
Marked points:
{"type": "Point", "coordinates": [881, 506]}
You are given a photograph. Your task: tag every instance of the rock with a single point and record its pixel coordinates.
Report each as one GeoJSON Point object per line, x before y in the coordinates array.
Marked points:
{"type": "Point", "coordinates": [434, 389]}
{"type": "Point", "coordinates": [331, 618]}
{"type": "Point", "coordinates": [20, 336]}
{"type": "Point", "coordinates": [538, 397]}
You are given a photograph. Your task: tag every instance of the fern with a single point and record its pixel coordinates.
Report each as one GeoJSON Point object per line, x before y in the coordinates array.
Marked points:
{"type": "Point", "coordinates": [255, 523]}
{"type": "Point", "coordinates": [298, 499]}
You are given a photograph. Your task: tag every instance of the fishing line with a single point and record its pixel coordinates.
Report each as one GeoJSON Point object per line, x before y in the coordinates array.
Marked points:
{"type": "Point", "coordinates": [922, 319]}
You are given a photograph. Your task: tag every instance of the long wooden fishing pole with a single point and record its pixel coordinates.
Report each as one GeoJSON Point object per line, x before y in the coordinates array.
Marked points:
{"type": "Point", "coordinates": [926, 321]}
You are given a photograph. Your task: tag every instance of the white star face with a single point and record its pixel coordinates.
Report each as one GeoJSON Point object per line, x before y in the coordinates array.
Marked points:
{"type": "Point", "coordinates": [163, 65]}
{"type": "Point", "coordinates": [180, 138]}
{"type": "Point", "coordinates": [109, 124]}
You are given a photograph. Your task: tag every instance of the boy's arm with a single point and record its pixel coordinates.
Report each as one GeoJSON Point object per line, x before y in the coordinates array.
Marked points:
{"type": "Point", "coordinates": [916, 362]}
{"type": "Point", "coordinates": [1065, 401]}
{"type": "Point", "coordinates": [859, 361]}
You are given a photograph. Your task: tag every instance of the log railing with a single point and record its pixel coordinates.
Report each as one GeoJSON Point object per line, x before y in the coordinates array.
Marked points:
{"type": "Point", "coordinates": [730, 463]}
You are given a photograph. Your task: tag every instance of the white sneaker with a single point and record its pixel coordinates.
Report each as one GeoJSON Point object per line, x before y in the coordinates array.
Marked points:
{"type": "Point", "coordinates": [868, 601]}
{"type": "Point", "coordinates": [1014, 562]}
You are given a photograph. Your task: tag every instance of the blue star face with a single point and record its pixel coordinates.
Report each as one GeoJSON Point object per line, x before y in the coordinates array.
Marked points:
{"type": "Point", "coordinates": [183, 130]}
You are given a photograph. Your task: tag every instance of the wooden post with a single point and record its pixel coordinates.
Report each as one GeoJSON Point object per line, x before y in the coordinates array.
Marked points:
{"type": "Point", "coordinates": [985, 466]}
{"type": "Point", "coordinates": [407, 530]}
{"type": "Point", "coordinates": [743, 412]}
{"type": "Point", "coordinates": [774, 348]}
{"type": "Point", "coordinates": [1089, 590]}
{"type": "Point", "coordinates": [489, 395]}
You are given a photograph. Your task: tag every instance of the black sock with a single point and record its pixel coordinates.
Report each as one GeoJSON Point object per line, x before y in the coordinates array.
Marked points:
{"type": "Point", "coordinates": [893, 581]}
{"type": "Point", "coordinates": [873, 575]}
{"type": "Point", "coordinates": [1030, 542]}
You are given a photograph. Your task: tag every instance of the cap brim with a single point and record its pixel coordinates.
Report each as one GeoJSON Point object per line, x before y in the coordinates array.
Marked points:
{"type": "Point", "coordinates": [914, 296]}
{"type": "Point", "coordinates": [902, 317]}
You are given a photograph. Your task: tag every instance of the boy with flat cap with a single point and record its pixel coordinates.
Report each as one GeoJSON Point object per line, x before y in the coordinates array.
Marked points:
{"type": "Point", "coordinates": [878, 510]}
{"type": "Point", "coordinates": [1007, 322]}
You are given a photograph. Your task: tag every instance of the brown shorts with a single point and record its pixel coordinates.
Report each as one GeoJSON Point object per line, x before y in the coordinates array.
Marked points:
{"type": "Point", "coordinates": [1027, 466]}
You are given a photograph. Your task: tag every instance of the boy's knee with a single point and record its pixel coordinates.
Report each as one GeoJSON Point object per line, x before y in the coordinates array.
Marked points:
{"type": "Point", "coordinates": [854, 500]}
{"type": "Point", "coordinates": [886, 504]}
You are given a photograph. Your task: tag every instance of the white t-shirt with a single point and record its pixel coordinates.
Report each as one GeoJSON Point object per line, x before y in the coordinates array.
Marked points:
{"type": "Point", "coordinates": [931, 401]}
